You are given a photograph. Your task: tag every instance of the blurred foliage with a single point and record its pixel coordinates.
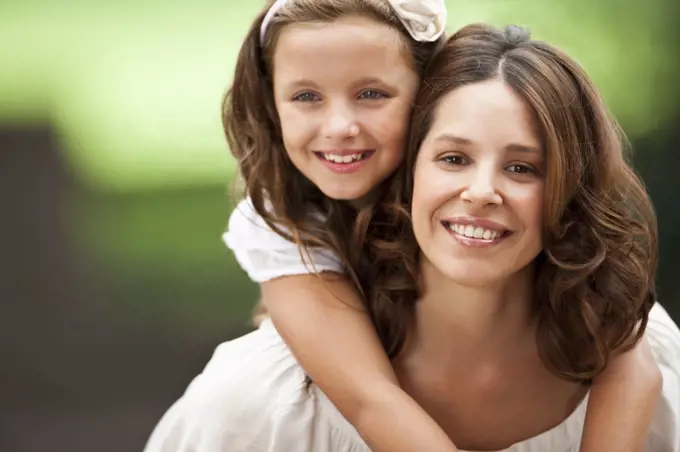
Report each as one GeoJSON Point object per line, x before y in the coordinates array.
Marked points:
{"type": "Point", "coordinates": [159, 260]}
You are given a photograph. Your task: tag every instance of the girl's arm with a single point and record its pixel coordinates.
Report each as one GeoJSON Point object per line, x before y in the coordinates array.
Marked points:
{"type": "Point", "coordinates": [326, 326]}
{"type": "Point", "coordinates": [622, 402]}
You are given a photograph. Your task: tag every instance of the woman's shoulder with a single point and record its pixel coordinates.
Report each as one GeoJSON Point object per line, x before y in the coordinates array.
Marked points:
{"type": "Point", "coordinates": [664, 434]}
{"type": "Point", "coordinates": [253, 396]}
{"type": "Point", "coordinates": [663, 335]}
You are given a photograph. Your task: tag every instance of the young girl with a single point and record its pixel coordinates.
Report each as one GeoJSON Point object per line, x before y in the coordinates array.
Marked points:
{"type": "Point", "coordinates": [317, 117]}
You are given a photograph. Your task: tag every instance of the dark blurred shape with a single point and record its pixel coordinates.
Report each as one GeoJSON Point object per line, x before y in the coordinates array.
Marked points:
{"type": "Point", "coordinates": [78, 373]}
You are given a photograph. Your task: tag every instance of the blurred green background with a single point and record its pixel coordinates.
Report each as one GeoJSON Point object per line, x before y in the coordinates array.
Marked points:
{"type": "Point", "coordinates": [115, 186]}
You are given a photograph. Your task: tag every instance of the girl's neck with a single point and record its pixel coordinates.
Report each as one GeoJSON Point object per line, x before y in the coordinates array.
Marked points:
{"type": "Point", "coordinates": [369, 198]}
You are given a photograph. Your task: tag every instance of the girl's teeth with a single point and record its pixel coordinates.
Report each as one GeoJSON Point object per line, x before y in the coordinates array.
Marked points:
{"type": "Point", "coordinates": [473, 232]}
{"type": "Point", "coordinates": [342, 158]}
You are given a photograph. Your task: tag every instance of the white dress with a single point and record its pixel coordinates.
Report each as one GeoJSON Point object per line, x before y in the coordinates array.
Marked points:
{"type": "Point", "coordinates": [252, 395]}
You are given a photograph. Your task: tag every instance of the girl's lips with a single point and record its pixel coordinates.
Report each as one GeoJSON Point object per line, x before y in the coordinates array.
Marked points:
{"type": "Point", "coordinates": [339, 167]}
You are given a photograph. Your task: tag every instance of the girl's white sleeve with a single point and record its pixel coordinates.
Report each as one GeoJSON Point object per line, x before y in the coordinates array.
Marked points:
{"type": "Point", "coordinates": [265, 255]}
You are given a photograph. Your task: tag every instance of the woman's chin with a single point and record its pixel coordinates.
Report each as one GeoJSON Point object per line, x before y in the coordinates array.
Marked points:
{"type": "Point", "coordinates": [479, 276]}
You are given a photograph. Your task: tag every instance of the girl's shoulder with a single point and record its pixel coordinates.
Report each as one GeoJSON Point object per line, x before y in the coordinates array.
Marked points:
{"type": "Point", "coordinates": [265, 254]}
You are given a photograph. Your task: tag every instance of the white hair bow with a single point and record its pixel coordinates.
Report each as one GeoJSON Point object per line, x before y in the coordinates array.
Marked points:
{"type": "Point", "coordinates": [425, 20]}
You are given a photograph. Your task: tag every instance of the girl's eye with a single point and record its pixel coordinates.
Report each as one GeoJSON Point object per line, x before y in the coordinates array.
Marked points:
{"type": "Point", "coordinates": [372, 94]}
{"type": "Point", "coordinates": [306, 97]}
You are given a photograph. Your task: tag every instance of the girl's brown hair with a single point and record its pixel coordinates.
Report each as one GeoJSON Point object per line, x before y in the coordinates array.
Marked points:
{"type": "Point", "coordinates": [595, 276]}
{"type": "Point", "coordinates": [280, 194]}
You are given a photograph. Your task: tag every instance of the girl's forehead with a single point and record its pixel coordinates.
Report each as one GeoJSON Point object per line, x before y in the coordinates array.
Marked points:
{"type": "Point", "coordinates": [341, 50]}
{"type": "Point", "coordinates": [348, 38]}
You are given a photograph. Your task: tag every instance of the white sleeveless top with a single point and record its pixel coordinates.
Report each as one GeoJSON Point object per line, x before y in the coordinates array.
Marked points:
{"type": "Point", "coordinates": [252, 397]}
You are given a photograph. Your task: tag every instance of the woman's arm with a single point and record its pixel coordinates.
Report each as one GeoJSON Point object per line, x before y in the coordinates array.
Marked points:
{"type": "Point", "coordinates": [622, 402]}
{"type": "Point", "coordinates": [326, 326]}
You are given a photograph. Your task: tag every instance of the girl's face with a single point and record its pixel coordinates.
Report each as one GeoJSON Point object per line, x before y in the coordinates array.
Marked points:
{"type": "Point", "coordinates": [343, 91]}
{"type": "Point", "coordinates": [478, 186]}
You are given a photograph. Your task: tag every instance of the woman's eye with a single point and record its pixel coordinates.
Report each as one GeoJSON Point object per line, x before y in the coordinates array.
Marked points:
{"type": "Point", "coordinates": [306, 97]}
{"type": "Point", "coordinates": [454, 159]}
{"type": "Point", "coordinates": [372, 94]}
{"type": "Point", "coordinates": [520, 169]}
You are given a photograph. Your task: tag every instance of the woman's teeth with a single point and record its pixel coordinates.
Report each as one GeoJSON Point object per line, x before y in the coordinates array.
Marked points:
{"type": "Point", "coordinates": [349, 158]}
{"type": "Point", "coordinates": [473, 232]}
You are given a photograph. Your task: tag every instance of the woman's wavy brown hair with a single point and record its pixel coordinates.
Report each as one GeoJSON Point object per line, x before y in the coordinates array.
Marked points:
{"type": "Point", "coordinates": [595, 276]}
{"type": "Point", "coordinates": [289, 203]}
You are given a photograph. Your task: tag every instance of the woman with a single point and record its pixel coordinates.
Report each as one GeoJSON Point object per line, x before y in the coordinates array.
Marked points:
{"type": "Point", "coordinates": [536, 264]}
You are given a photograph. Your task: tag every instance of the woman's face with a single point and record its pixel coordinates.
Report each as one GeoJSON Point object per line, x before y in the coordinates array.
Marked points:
{"type": "Point", "coordinates": [478, 186]}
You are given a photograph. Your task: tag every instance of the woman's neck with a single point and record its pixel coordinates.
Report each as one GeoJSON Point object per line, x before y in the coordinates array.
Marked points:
{"type": "Point", "coordinates": [453, 321]}
{"type": "Point", "coordinates": [472, 362]}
